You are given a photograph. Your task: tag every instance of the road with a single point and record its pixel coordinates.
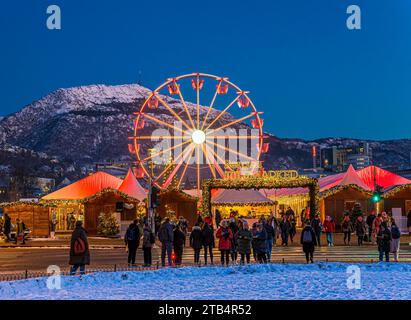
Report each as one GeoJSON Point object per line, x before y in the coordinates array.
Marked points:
{"type": "Point", "coordinates": [38, 259]}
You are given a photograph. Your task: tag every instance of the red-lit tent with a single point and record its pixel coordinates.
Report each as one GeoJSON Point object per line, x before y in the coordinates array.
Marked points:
{"type": "Point", "coordinates": [86, 187]}
{"type": "Point", "coordinates": [132, 187]}
{"type": "Point", "coordinates": [382, 177]}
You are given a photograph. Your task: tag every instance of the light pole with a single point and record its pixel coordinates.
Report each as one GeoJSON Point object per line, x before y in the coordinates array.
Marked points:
{"type": "Point", "coordinates": [150, 189]}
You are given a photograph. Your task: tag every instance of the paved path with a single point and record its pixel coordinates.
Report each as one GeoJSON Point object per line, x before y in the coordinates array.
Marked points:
{"type": "Point", "coordinates": [38, 259]}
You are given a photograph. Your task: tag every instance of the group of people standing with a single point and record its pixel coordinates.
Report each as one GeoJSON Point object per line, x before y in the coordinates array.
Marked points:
{"type": "Point", "coordinates": [20, 230]}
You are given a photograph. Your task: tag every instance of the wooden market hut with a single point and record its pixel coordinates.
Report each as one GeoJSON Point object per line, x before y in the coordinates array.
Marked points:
{"type": "Point", "coordinates": [341, 195]}
{"type": "Point", "coordinates": [34, 215]}
{"type": "Point", "coordinates": [180, 203]}
{"type": "Point", "coordinates": [249, 203]}
{"type": "Point", "coordinates": [98, 193]}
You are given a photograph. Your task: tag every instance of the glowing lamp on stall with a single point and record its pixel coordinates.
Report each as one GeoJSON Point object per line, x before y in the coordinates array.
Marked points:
{"type": "Point", "coordinates": [376, 197]}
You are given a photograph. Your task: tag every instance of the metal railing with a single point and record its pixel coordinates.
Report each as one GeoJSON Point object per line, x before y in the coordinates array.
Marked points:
{"type": "Point", "coordinates": [28, 274]}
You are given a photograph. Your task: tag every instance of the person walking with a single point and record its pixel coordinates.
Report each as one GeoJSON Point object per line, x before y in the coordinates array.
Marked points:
{"type": "Point", "coordinates": [79, 249]}
{"type": "Point", "coordinates": [234, 228]}
{"type": "Point", "coordinates": [293, 227]}
{"type": "Point", "coordinates": [132, 241]}
{"type": "Point", "coordinates": [148, 241]}
{"type": "Point", "coordinates": [225, 235]}
{"type": "Point", "coordinates": [244, 237]}
{"type": "Point", "coordinates": [346, 227]}
{"type": "Point", "coordinates": [196, 242]}
{"type": "Point", "coordinates": [329, 228]}
{"type": "Point", "coordinates": [178, 244]}
{"type": "Point", "coordinates": [183, 225]}
{"type": "Point", "coordinates": [166, 237]}
{"type": "Point", "coordinates": [261, 244]}
{"type": "Point", "coordinates": [318, 228]}
{"type": "Point", "coordinates": [376, 227]}
{"type": "Point", "coordinates": [53, 225]}
{"type": "Point", "coordinates": [384, 242]}
{"type": "Point", "coordinates": [208, 241]}
{"type": "Point", "coordinates": [370, 221]}
{"type": "Point", "coordinates": [395, 240]}
{"type": "Point", "coordinates": [7, 227]}
{"type": "Point", "coordinates": [270, 238]}
{"type": "Point", "coordinates": [253, 241]}
{"type": "Point", "coordinates": [217, 218]}
{"type": "Point", "coordinates": [308, 241]}
{"type": "Point", "coordinates": [360, 227]}
{"type": "Point", "coordinates": [285, 228]}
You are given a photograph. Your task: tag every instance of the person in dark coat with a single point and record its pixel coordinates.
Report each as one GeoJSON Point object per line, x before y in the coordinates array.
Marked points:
{"type": "Point", "coordinates": [285, 228]}
{"type": "Point", "coordinates": [79, 249]}
{"type": "Point", "coordinates": [132, 241]}
{"type": "Point", "coordinates": [217, 217]}
{"type": "Point", "coordinates": [270, 238]}
{"type": "Point", "coordinates": [289, 212]}
{"type": "Point", "coordinates": [234, 228]}
{"type": "Point", "coordinates": [318, 228]}
{"type": "Point", "coordinates": [370, 222]}
{"type": "Point", "coordinates": [308, 241]}
{"type": "Point", "coordinates": [360, 228]}
{"type": "Point", "coordinates": [293, 227]}
{"type": "Point", "coordinates": [346, 227]}
{"type": "Point", "coordinates": [148, 241]}
{"type": "Point", "coordinates": [244, 238]}
{"type": "Point", "coordinates": [261, 244]}
{"type": "Point", "coordinates": [166, 237]}
{"type": "Point", "coordinates": [253, 241]}
{"type": "Point", "coordinates": [208, 241]}
{"type": "Point", "coordinates": [196, 242]}
{"type": "Point", "coordinates": [7, 227]}
{"type": "Point", "coordinates": [178, 244]}
{"type": "Point", "coordinates": [384, 242]}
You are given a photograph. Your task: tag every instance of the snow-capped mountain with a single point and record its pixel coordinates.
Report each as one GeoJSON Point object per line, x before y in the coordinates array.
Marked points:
{"type": "Point", "coordinates": [72, 129]}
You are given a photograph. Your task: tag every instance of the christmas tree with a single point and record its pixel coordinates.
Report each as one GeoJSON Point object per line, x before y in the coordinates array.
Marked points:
{"type": "Point", "coordinates": [107, 225]}
{"type": "Point", "coordinates": [356, 211]}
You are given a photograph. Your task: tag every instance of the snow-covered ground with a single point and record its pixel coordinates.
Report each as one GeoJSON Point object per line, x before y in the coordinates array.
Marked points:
{"type": "Point", "coordinates": [273, 281]}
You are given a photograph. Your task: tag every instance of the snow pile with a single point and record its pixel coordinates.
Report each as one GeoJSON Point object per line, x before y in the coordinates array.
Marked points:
{"type": "Point", "coordinates": [316, 281]}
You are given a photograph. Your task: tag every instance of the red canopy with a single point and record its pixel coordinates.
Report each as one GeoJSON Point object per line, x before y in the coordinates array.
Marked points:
{"type": "Point", "coordinates": [382, 177]}
{"type": "Point", "coordinates": [85, 187]}
{"type": "Point", "coordinates": [132, 187]}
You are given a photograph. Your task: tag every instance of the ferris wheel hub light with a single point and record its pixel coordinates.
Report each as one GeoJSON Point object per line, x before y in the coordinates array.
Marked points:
{"type": "Point", "coordinates": [198, 136]}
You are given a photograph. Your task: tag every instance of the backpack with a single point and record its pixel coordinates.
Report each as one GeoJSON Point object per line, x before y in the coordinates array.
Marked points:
{"type": "Point", "coordinates": [79, 247]}
{"type": "Point", "coordinates": [307, 236]}
{"type": "Point", "coordinates": [395, 232]}
{"type": "Point", "coordinates": [152, 238]}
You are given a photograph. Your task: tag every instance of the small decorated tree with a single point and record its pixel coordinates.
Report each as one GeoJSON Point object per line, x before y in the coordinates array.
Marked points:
{"type": "Point", "coordinates": [107, 225]}
{"type": "Point", "coordinates": [356, 211]}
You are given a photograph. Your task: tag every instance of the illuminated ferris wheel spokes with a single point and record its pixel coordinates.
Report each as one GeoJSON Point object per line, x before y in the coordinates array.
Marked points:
{"type": "Point", "coordinates": [196, 132]}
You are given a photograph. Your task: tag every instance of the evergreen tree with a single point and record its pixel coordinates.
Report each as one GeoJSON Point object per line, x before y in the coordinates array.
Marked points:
{"type": "Point", "coordinates": [356, 211]}
{"type": "Point", "coordinates": [107, 225]}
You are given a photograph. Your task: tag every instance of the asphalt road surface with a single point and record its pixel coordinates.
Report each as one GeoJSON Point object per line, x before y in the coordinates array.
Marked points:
{"type": "Point", "coordinates": [38, 259]}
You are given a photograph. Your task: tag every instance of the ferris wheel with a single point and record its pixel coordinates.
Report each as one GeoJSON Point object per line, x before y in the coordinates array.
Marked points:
{"type": "Point", "coordinates": [193, 118]}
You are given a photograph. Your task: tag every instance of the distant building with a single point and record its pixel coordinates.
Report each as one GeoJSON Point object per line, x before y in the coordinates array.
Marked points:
{"type": "Point", "coordinates": [338, 159]}
{"type": "Point", "coordinates": [359, 161]}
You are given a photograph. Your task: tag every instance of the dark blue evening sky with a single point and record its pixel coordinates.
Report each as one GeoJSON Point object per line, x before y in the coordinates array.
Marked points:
{"type": "Point", "coordinates": [310, 75]}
